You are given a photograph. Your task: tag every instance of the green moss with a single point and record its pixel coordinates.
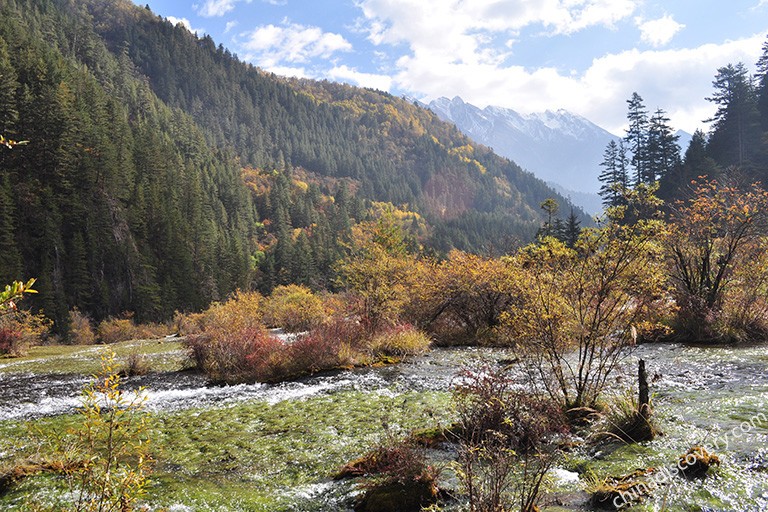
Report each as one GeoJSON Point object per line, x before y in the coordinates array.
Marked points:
{"type": "Point", "coordinates": [254, 455]}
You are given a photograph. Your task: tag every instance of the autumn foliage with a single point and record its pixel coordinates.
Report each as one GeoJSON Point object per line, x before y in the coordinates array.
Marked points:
{"type": "Point", "coordinates": [717, 263]}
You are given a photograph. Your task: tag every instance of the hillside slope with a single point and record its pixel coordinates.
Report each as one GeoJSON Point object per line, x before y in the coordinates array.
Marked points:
{"type": "Point", "coordinates": [163, 173]}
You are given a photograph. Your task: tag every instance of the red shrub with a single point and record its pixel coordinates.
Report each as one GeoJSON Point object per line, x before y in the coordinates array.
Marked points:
{"type": "Point", "coordinates": [314, 352]}
{"type": "Point", "coordinates": [249, 354]}
{"type": "Point", "coordinates": [10, 341]}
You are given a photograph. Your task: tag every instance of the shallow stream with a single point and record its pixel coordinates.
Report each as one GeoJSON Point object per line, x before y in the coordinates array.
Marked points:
{"type": "Point", "coordinates": [711, 396]}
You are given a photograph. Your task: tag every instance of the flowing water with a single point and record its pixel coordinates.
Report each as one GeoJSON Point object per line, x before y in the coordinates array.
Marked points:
{"type": "Point", "coordinates": [711, 396]}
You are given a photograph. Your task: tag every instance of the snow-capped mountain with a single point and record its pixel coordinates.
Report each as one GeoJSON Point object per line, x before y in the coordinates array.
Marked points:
{"type": "Point", "coordinates": [558, 147]}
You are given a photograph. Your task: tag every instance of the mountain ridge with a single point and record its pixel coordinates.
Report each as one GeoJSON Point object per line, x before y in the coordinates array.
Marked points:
{"type": "Point", "coordinates": [557, 146]}
{"type": "Point", "coordinates": [163, 173]}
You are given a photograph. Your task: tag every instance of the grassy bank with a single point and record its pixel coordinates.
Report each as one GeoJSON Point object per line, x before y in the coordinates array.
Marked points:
{"type": "Point", "coordinates": [161, 355]}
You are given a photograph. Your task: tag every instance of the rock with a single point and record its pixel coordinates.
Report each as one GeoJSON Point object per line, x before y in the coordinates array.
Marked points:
{"type": "Point", "coordinates": [398, 497]}
{"type": "Point", "coordinates": [696, 462]}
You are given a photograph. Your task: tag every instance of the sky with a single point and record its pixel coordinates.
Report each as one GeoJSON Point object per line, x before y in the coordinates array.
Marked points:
{"type": "Point", "coordinates": [584, 56]}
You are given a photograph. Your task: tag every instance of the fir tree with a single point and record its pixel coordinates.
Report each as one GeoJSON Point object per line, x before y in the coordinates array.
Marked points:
{"type": "Point", "coordinates": [637, 139]}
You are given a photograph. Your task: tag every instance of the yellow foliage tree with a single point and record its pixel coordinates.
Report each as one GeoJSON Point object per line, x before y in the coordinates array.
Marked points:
{"type": "Point", "coordinates": [715, 236]}
{"type": "Point", "coordinates": [378, 271]}
{"type": "Point", "coordinates": [581, 305]}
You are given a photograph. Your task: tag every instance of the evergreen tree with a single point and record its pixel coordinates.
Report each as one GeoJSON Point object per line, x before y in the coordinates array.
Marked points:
{"type": "Point", "coordinates": [677, 184]}
{"type": "Point", "coordinates": [663, 151]}
{"type": "Point", "coordinates": [762, 86]}
{"type": "Point", "coordinates": [614, 177]}
{"type": "Point", "coordinates": [10, 259]}
{"type": "Point", "coordinates": [572, 229]}
{"type": "Point", "coordinates": [9, 114]}
{"type": "Point", "coordinates": [637, 139]}
{"type": "Point", "coordinates": [734, 132]}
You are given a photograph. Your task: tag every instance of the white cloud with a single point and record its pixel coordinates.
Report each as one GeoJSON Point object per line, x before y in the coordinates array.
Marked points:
{"type": "Point", "coordinates": [345, 74]}
{"type": "Point", "coordinates": [271, 46]}
{"type": "Point", "coordinates": [229, 26]}
{"type": "Point", "coordinates": [658, 32]}
{"type": "Point", "coordinates": [214, 8]}
{"type": "Point", "coordinates": [599, 93]}
{"type": "Point", "coordinates": [186, 23]}
{"type": "Point", "coordinates": [290, 71]}
{"type": "Point", "coordinates": [455, 24]}
{"type": "Point", "coordinates": [452, 49]}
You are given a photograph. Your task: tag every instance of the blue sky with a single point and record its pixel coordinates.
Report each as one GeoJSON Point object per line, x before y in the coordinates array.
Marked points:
{"type": "Point", "coordinates": [586, 56]}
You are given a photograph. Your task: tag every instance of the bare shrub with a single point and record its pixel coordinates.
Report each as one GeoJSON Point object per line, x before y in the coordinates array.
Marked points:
{"type": "Point", "coordinates": [507, 440]}
{"type": "Point", "coordinates": [136, 363]}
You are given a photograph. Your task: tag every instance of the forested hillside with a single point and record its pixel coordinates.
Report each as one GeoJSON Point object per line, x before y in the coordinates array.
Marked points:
{"type": "Point", "coordinates": [116, 203]}
{"type": "Point", "coordinates": [162, 173]}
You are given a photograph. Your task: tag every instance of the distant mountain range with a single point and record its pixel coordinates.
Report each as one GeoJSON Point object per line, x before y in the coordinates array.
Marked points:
{"type": "Point", "coordinates": [559, 147]}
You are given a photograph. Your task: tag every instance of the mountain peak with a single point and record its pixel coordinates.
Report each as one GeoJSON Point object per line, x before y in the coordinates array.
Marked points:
{"type": "Point", "coordinates": [556, 145]}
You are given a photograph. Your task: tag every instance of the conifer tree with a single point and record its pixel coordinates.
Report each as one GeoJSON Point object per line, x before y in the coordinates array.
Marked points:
{"type": "Point", "coordinates": [734, 131]}
{"type": "Point", "coordinates": [663, 152]}
{"type": "Point", "coordinates": [637, 138]}
{"type": "Point", "coordinates": [614, 177]}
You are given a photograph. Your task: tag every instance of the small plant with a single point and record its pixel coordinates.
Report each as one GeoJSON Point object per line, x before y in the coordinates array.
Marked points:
{"type": "Point", "coordinates": [399, 477]}
{"type": "Point", "coordinates": [14, 292]}
{"type": "Point", "coordinates": [625, 422]}
{"type": "Point", "coordinates": [697, 461]}
{"type": "Point", "coordinates": [615, 493]}
{"type": "Point", "coordinates": [114, 442]}
{"type": "Point", "coordinates": [136, 363]}
{"type": "Point", "coordinates": [507, 440]}
{"type": "Point", "coordinates": [105, 460]}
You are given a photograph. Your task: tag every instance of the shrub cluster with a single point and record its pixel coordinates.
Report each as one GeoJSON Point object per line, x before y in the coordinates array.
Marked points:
{"type": "Point", "coordinates": [114, 330]}
{"type": "Point", "coordinates": [231, 349]}
{"type": "Point", "coordinates": [21, 329]}
{"type": "Point", "coordinates": [399, 341]}
{"type": "Point", "coordinates": [294, 308]}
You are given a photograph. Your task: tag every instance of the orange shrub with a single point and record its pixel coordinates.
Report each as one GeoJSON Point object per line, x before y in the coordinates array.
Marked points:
{"type": "Point", "coordinates": [80, 330]}
{"type": "Point", "coordinates": [241, 311]}
{"type": "Point", "coordinates": [114, 330]}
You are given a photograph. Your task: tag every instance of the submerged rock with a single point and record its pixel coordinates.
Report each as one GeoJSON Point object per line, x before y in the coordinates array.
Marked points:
{"type": "Point", "coordinates": [398, 497]}
{"type": "Point", "coordinates": [615, 493]}
{"type": "Point", "coordinates": [696, 462]}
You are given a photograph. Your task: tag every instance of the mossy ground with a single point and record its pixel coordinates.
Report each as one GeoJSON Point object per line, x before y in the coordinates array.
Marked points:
{"type": "Point", "coordinates": [253, 456]}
